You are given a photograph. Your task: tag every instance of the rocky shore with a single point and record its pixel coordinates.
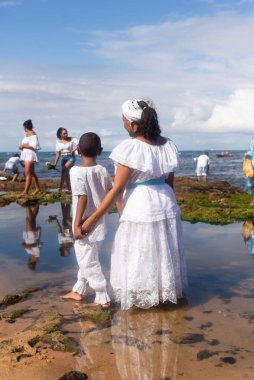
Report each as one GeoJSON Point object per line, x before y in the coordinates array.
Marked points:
{"type": "Point", "coordinates": [216, 202]}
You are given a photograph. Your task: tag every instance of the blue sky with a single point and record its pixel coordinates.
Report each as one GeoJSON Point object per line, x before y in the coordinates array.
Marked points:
{"type": "Point", "coordinates": [72, 63]}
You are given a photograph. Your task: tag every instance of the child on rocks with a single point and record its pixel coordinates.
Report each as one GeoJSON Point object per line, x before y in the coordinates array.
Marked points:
{"type": "Point", "coordinates": [89, 183]}
{"type": "Point", "coordinates": [12, 165]}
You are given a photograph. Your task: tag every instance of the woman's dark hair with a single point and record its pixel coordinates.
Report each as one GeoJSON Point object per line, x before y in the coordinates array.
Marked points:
{"type": "Point", "coordinates": [148, 126]}
{"type": "Point", "coordinates": [90, 144]}
{"type": "Point", "coordinates": [59, 132]}
{"type": "Point", "coordinates": [28, 125]}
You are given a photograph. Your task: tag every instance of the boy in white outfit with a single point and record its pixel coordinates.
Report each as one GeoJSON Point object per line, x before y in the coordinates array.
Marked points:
{"type": "Point", "coordinates": [89, 183]}
{"type": "Point", "coordinates": [202, 169]}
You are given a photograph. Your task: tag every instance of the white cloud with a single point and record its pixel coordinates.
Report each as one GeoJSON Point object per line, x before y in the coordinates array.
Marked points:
{"type": "Point", "coordinates": [9, 4]}
{"type": "Point", "coordinates": [199, 71]}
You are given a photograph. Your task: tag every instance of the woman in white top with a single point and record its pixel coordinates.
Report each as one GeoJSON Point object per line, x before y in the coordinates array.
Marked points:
{"type": "Point", "coordinates": [29, 146]}
{"type": "Point", "coordinates": [147, 263]}
{"type": "Point", "coordinates": [65, 148]}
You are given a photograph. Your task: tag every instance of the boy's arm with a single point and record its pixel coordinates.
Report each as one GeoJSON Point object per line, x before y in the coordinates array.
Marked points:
{"type": "Point", "coordinates": [81, 206]}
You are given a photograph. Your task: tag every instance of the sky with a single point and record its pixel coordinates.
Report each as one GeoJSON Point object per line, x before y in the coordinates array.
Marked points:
{"type": "Point", "coordinates": [72, 63]}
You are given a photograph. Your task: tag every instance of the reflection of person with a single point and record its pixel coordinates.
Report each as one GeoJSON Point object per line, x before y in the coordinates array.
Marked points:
{"type": "Point", "coordinates": [249, 184]}
{"type": "Point", "coordinates": [89, 183]}
{"type": "Point", "coordinates": [29, 146]}
{"type": "Point", "coordinates": [203, 162]}
{"type": "Point", "coordinates": [65, 236]}
{"type": "Point", "coordinates": [248, 236]}
{"type": "Point", "coordinates": [147, 265]}
{"type": "Point", "coordinates": [65, 148]}
{"type": "Point", "coordinates": [12, 165]}
{"type": "Point", "coordinates": [31, 236]}
{"type": "Point", "coordinates": [140, 344]}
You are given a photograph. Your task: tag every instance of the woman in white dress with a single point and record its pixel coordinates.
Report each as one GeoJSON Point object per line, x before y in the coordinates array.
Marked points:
{"type": "Point", "coordinates": [65, 149]}
{"type": "Point", "coordinates": [147, 264]}
{"type": "Point", "coordinates": [29, 146]}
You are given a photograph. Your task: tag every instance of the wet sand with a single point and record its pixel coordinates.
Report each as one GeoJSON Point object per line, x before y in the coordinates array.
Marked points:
{"type": "Point", "coordinates": [208, 335]}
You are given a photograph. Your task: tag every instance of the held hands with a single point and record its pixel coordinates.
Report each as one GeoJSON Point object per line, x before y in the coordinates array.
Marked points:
{"type": "Point", "coordinates": [87, 226]}
{"type": "Point", "coordinates": [78, 233]}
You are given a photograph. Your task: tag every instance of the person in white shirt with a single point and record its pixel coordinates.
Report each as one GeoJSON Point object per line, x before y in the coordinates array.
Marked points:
{"type": "Point", "coordinates": [12, 165]}
{"type": "Point", "coordinates": [203, 163]}
{"type": "Point", "coordinates": [65, 149]}
{"type": "Point", "coordinates": [29, 146]}
{"type": "Point", "coordinates": [90, 183]}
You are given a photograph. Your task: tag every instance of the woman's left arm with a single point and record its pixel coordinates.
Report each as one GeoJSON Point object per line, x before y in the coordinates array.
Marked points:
{"type": "Point", "coordinates": [122, 177]}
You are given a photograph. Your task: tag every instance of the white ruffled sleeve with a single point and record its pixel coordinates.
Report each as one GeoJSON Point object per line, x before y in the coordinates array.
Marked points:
{"type": "Point", "coordinates": [78, 184]}
{"type": "Point", "coordinates": [34, 142]}
{"type": "Point", "coordinates": [153, 159]}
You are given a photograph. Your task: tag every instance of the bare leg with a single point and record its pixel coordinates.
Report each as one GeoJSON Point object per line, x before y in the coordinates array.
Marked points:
{"type": "Point", "coordinates": [198, 179]}
{"type": "Point", "coordinates": [205, 178]}
{"type": "Point", "coordinates": [15, 177]}
{"type": "Point", "coordinates": [28, 175]}
{"type": "Point", "coordinates": [68, 165]}
{"type": "Point", "coordinates": [36, 181]}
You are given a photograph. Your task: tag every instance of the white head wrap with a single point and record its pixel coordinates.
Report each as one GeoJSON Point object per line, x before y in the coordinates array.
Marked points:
{"type": "Point", "coordinates": [131, 109]}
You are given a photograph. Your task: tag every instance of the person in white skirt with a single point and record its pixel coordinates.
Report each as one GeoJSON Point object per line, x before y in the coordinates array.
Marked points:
{"type": "Point", "coordinates": [147, 263]}
{"type": "Point", "coordinates": [29, 146]}
{"type": "Point", "coordinates": [89, 183]}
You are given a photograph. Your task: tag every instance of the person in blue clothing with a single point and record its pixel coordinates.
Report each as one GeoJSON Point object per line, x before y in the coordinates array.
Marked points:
{"type": "Point", "coordinates": [249, 185]}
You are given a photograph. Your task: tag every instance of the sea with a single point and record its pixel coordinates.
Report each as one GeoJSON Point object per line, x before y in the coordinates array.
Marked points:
{"type": "Point", "coordinates": [221, 168]}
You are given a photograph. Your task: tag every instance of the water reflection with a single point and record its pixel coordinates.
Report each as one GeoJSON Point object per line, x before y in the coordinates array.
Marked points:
{"type": "Point", "coordinates": [248, 236]}
{"type": "Point", "coordinates": [64, 229]}
{"type": "Point", "coordinates": [32, 236]}
{"type": "Point", "coordinates": [139, 343]}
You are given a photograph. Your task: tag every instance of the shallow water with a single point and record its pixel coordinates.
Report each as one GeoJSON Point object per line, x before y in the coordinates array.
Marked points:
{"type": "Point", "coordinates": [153, 344]}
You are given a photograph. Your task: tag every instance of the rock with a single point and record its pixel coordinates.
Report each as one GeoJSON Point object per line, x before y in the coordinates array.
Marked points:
{"type": "Point", "coordinates": [228, 359]}
{"type": "Point", "coordinates": [99, 316]}
{"type": "Point", "coordinates": [14, 314]}
{"type": "Point", "coordinates": [74, 375]}
{"type": "Point", "coordinates": [205, 354]}
{"type": "Point", "coordinates": [188, 339]}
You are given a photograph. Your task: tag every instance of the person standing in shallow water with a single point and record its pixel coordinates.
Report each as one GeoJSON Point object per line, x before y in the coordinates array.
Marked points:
{"type": "Point", "coordinates": [29, 146]}
{"type": "Point", "coordinates": [147, 263]}
{"type": "Point", "coordinates": [203, 163]}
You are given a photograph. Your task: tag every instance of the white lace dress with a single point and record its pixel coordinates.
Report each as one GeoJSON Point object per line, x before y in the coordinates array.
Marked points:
{"type": "Point", "coordinates": [147, 264]}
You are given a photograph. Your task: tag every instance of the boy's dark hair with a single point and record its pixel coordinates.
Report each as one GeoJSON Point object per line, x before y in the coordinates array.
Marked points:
{"type": "Point", "coordinates": [28, 125]}
{"type": "Point", "coordinates": [148, 126]}
{"type": "Point", "coordinates": [90, 144]}
{"type": "Point", "coordinates": [16, 155]}
{"type": "Point", "coordinates": [59, 132]}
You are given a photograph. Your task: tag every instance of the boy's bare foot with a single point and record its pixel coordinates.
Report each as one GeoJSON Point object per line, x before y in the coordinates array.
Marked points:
{"type": "Point", "coordinates": [73, 296]}
{"type": "Point", "coordinates": [93, 304]}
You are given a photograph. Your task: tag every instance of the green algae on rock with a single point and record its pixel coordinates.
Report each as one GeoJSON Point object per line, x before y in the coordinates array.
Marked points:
{"type": "Point", "coordinates": [96, 314]}
{"type": "Point", "coordinates": [14, 314]}
{"type": "Point", "coordinates": [216, 202]}
{"type": "Point", "coordinates": [11, 299]}
{"type": "Point", "coordinates": [46, 330]}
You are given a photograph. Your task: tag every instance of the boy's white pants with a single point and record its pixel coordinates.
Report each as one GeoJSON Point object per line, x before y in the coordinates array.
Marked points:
{"type": "Point", "coordinates": [87, 255]}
